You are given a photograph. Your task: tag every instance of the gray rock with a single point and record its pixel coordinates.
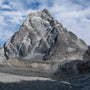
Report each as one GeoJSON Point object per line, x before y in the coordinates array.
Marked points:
{"type": "Point", "coordinates": [42, 35]}
{"type": "Point", "coordinates": [87, 54]}
{"type": "Point", "coordinates": [12, 82]}
{"type": "Point", "coordinates": [88, 51]}
{"type": "Point", "coordinates": [43, 47]}
{"type": "Point", "coordinates": [2, 57]}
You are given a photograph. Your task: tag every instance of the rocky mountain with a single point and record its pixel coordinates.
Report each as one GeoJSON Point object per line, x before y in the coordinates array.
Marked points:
{"type": "Point", "coordinates": [2, 56]}
{"type": "Point", "coordinates": [44, 47]}
{"type": "Point", "coordinates": [42, 37]}
{"type": "Point", "coordinates": [52, 57]}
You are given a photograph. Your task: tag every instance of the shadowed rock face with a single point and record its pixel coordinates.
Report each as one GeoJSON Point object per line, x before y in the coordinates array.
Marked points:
{"type": "Point", "coordinates": [88, 51]}
{"type": "Point", "coordinates": [42, 37]}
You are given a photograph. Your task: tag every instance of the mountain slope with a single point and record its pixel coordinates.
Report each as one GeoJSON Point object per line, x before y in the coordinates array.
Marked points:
{"type": "Point", "coordinates": [42, 37]}
{"type": "Point", "coordinates": [43, 47]}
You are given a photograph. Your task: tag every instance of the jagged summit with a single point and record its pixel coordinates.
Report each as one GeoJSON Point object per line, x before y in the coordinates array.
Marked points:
{"type": "Point", "coordinates": [42, 37]}
{"type": "Point", "coordinates": [43, 47]}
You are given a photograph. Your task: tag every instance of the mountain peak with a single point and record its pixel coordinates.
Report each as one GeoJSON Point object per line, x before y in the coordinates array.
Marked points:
{"type": "Point", "coordinates": [42, 37]}
{"type": "Point", "coordinates": [43, 47]}
{"type": "Point", "coordinates": [47, 12]}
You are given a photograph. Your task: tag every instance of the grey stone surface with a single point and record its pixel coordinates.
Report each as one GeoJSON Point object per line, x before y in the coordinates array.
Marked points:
{"type": "Point", "coordinates": [14, 82]}
{"type": "Point", "coordinates": [2, 57]}
{"type": "Point", "coordinates": [42, 35]}
{"type": "Point", "coordinates": [43, 47]}
{"type": "Point", "coordinates": [88, 51]}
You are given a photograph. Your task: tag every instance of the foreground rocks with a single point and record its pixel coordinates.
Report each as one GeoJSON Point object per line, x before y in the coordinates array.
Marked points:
{"type": "Point", "coordinates": [14, 82]}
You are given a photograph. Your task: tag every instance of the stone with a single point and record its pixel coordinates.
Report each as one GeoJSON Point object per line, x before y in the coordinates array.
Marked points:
{"type": "Point", "coordinates": [2, 57]}
{"type": "Point", "coordinates": [88, 51]}
{"type": "Point", "coordinates": [43, 47]}
{"type": "Point", "coordinates": [42, 35]}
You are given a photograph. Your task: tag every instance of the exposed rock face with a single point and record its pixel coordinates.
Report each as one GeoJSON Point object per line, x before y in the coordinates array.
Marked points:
{"type": "Point", "coordinates": [43, 47]}
{"type": "Point", "coordinates": [84, 67]}
{"type": "Point", "coordinates": [42, 37]}
{"type": "Point", "coordinates": [2, 57]}
{"type": "Point", "coordinates": [88, 51]}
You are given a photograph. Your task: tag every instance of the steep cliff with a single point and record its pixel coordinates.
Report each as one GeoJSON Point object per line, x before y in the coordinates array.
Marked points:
{"type": "Point", "coordinates": [42, 37]}
{"type": "Point", "coordinates": [43, 47]}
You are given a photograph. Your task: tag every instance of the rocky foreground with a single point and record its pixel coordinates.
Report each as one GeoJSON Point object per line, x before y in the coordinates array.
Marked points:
{"type": "Point", "coordinates": [14, 82]}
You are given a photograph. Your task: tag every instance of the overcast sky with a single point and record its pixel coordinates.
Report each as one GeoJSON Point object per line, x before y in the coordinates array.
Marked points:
{"type": "Point", "coordinates": [73, 14]}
